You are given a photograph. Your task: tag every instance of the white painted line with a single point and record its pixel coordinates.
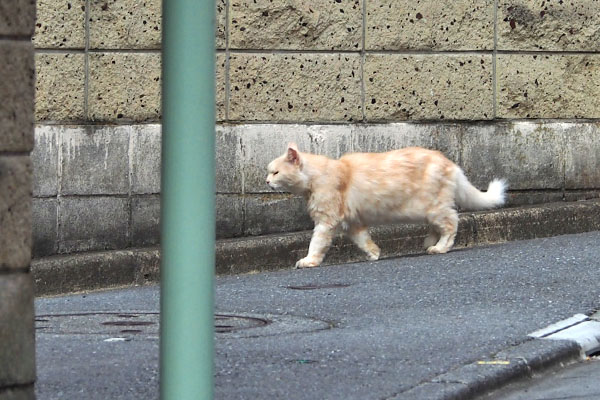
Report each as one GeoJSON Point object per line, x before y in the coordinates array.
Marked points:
{"type": "Point", "coordinates": [559, 326]}
{"type": "Point", "coordinates": [579, 328]}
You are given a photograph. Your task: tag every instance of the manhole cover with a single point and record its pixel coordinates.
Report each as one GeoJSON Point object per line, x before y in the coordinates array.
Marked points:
{"type": "Point", "coordinates": [147, 323]}
{"type": "Point", "coordinates": [100, 323]}
{"type": "Point", "coordinates": [229, 323]}
{"type": "Point", "coordinates": [105, 323]}
{"type": "Point", "coordinates": [323, 286]}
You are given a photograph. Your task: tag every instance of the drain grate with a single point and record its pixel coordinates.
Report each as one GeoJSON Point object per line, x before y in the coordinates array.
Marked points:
{"type": "Point", "coordinates": [323, 286]}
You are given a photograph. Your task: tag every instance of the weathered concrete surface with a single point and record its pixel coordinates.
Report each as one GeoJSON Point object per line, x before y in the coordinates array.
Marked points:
{"type": "Point", "coordinates": [95, 161]}
{"type": "Point", "coordinates": [548, 85]}
{"type": "Point", "coordinates": [72, 273]}
{"type": "Point", "coordinates": [548, 25]}
{"type": "Point", "coordinates": [428, 87]}
{"type": "Point", "coordinates": [60, 24]}
{"type": "Point", "coordinates": [15, 211]}
{"type": "Point", "coordinates": [429, 25]}
{"type": "Point", "coordinates": [112, 23]}
{"type": "Point", "coordinates": [16, 87]}
{"type": "Point", "coordinates": [542, 162]}
{"type": "Point", "coordinates": [124, 86]}
{"type": "Point", "coordinates": [261, 253]}
{"type": "Point", "coordinates": [298, 25]}
{"type": "Point", "coordinates": [93, 223]}
{"type": "Point", "coordinates": [17, 349]}
{"type": "Point", "coordinates": [60, 87]}
{"type": "Point", "coordinates": [44, 220]}
{"type": "Point", "coordinates": [295, 87]}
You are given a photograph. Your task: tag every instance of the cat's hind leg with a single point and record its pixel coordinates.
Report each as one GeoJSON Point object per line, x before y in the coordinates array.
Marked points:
{"type": "Point", "coordinates": [360, 235]}
{"type": "Point", "coordinates": [431, 239]}
{"type": "Point", "coordinates": [446, 223]}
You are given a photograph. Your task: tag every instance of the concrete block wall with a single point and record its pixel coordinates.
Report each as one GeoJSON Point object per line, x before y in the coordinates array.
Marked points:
{"type": "Point", "coordinates": [17, 348]}
{"type": "Point", "coordinates": [505, 88]}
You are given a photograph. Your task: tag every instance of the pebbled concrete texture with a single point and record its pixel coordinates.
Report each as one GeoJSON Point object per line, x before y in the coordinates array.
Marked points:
{"type": "Point", "coordinates": [280, 251]}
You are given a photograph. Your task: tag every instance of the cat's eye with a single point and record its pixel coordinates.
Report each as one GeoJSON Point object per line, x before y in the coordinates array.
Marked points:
{"type": "Point", "coordinates": [275, 173]}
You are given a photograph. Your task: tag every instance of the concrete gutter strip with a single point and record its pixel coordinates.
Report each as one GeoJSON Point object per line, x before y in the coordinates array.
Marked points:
{"type": "Point", "coordinates": [484, 376]}
{"type": "Point", "coordinates": [90, 271]}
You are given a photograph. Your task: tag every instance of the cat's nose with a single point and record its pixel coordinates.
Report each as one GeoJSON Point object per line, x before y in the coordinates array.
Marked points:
{"type": "Point", "coordinates": [268, 182]}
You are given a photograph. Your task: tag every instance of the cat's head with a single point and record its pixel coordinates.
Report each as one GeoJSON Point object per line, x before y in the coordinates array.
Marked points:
{"type": "Point", "coordinates": [285, 173]}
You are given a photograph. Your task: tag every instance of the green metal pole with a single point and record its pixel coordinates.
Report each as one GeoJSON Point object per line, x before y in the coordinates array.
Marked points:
{"type": "Point", "coordinates": [187, 201]}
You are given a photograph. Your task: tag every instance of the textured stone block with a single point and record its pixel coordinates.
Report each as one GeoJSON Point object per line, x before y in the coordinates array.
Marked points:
{"type": "Point", "coordinates": [381, 138]}
{"type": "Point", "coordinates": [582, 154]}
{"type": "Point", "coordinates": [45, 227]}
{"type": "Point", "coordinates": [295, 87]}
{"type": "Point", "coordinates": [145, 217]}
{"type": "Point", "coordinates": [44, 158]}
{"type": "Point", "coordinates": [95, 160]}
{"type": "Point", "coordinates": [15, 212]}
{"type": "Point", "coordinates": [527, 154]}
{"type": "Point", "coordinates": [548, 86]}
{"type": "Point", "coordinates": [17, 90]}
{"type": "Point", "coordinates": [428, 87]}
{"type": "Point", "coordinates": [275, 213]}
{"type": "Point", "coordinates": [124, 24]}
{"type": "Point", "coordinates": [263, 143]}
{"type": "Point", "coordinates": [282, 24]}
{"type": "Point", "coordinates": [429, 25]}
{"type": "Point", "coordinates": [59, 87]}
{"type": "Point", "coordinates": [228, 160]}
{"type": "Point", "coordinates": [17, 17]}
{"type": "Point", "coordinates": [124, 86]}
{"type": "Point", "coordinates": [93, 223]}
{"type": "Point", "coordinates": [60, 24]}
{"type": "Point", "coordinates": [145, 154]}
{"type": "Point", "coordinates": [220, 86]}
{"type": "Point", "coordinates": [221, 34]}
{"type": "Point", "coordinates": [549, 25]}
{"type": "Point", "coordinates": [17, 353]}
{"type": "Point", "coordinates": [229, 215]}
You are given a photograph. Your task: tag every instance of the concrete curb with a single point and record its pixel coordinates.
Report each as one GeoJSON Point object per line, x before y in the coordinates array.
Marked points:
{"type": "Point", "coordinates": [484, 376]}
{"type": "Point", "coordinates": [90, 271]}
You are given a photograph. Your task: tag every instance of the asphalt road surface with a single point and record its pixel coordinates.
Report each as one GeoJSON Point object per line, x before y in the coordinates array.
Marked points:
{"type": "Point", "coordinates": [369, 330]}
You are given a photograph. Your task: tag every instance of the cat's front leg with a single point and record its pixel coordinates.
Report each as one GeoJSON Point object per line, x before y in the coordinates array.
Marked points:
{"type": "Point", "coordinates": [319, 244]}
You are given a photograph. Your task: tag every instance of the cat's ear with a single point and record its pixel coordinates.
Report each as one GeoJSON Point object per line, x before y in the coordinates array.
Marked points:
{"type": "Point", "coordinates": [292, 154]}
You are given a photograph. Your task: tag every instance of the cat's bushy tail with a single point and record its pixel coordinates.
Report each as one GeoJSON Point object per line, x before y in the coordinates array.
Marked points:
{"type": "Point", "coordinates": [468, 197]}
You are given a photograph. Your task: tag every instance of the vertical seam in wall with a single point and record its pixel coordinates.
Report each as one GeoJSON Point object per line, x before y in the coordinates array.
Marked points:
{"type": "Point", "coordinates": [86, 61]}
{"type": "Point", "coordinates": [130, 186]}
{"type": "Point", "coordinates": [494, 55]}
{"type": "Point", "coordinates": [243, 178]}
{"type": "Point", "coordinates": [59, 157]}
{"type": "Point", "coordinates": [564, 164]}
{"type": "Point", "coordinates": [363, 59]}
{"type": "Point", "coordinates": [227, 83]}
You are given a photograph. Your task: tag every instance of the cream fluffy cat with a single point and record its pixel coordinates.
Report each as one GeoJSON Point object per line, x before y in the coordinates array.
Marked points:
{"type": "Point", "coordinates": [363, 189]}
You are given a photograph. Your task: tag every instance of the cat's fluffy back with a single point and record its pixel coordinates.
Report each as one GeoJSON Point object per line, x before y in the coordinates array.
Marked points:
{"type": "Point", "coordinates": [402, 184]}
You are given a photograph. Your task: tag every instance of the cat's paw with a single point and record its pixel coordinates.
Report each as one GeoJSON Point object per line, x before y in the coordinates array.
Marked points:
{"type": "Point", "coordinates": [436, 250]}
{"type": "Point", "coordinates": [307, 262]}
{"type": "Point", "coordinates": [373, 255]}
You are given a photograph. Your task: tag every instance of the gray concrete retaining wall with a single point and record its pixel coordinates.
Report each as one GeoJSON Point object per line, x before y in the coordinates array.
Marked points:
{"type": "Point", "coordinates": [17, 348]}
{"type": "Point", "coordinates": [99, 188]}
